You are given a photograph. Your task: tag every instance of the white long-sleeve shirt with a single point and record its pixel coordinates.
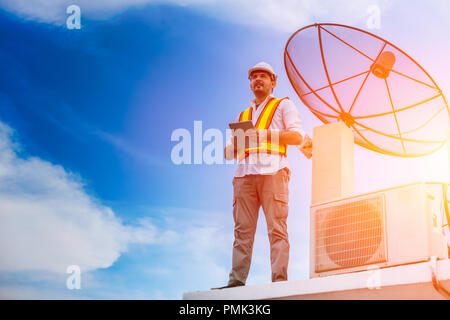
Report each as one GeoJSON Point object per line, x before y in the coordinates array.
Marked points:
{"type": "Point", "coordinates": [285, 118]}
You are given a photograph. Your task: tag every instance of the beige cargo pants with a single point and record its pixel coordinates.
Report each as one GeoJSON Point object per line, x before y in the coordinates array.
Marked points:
{"type": "Point", "coordinates": [250, 193]}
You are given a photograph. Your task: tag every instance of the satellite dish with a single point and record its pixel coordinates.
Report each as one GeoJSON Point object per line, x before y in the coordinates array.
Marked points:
{"type": "Point", "coordinates": [390, 102]}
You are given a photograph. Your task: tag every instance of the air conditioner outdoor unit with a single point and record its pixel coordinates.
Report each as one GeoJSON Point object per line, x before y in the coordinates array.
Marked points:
{"type": "Point", "coordinates": [384, 228]}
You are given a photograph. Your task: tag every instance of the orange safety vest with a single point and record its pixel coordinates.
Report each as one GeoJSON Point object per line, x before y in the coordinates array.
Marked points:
{"type": "Point", "coordinates": [263, 122]}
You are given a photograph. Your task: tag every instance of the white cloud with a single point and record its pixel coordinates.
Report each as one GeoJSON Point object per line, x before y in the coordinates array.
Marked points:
{"type": "Point", "coordinates": [286, 16]}
{"type": "Point", "coordinates": [48, 221]}
{"type": "Point", "coordinates": [208, 245]}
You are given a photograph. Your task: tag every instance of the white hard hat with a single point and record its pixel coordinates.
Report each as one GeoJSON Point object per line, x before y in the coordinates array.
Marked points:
{"type": "Point", "coordinates": [264, 66]}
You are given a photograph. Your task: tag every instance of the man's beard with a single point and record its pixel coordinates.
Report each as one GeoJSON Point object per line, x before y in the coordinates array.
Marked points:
{"type": "Point", "coordinates": [260, 90]}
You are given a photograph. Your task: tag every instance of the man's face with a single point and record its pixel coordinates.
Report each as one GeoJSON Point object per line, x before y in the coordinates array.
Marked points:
{"type": "Point", "coordinates": [261, 83]}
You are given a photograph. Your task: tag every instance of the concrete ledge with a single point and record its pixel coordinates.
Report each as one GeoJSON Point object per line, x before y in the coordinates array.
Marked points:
{"type": "Point", "coordinates": [406, 282]}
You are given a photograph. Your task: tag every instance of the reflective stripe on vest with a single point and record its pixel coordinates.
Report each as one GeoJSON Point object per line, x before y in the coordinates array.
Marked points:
{"type": "Point", "coordinates": [263, 122]}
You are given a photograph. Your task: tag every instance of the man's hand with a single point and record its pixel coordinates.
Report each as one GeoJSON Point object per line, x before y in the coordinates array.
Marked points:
{"type": "Point", "coordinates": [306, 147]}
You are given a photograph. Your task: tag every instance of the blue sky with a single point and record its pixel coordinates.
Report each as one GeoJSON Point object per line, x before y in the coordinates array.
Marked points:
{"type": "Point", "coordinates": [86, 118]}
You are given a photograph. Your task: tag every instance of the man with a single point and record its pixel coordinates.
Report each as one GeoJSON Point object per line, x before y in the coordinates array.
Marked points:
{"type": "Point", "coordinates": [262, 175]}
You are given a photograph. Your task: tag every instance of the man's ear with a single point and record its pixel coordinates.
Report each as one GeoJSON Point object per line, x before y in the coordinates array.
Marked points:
{"type": "Point", "coordinates": [274, 83]}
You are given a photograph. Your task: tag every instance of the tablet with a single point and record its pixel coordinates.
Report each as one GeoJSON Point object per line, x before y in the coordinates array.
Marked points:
{"type": "Point", "coordinates": [244, 125]}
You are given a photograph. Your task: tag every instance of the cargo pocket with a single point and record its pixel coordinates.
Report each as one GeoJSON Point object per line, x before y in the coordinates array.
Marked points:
{"type": "Point", "coordinates": [234, 209]}
{"type": "Point", "coordinates": [234, 200]}
{"type": "Point", "coordinates": [286, 174]}
{"type": "Point", "coordinates": [281, 202]}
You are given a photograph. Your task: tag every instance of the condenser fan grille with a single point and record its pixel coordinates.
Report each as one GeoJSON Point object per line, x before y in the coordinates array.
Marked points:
{"type": "Point", "coordinates": [350, 234]}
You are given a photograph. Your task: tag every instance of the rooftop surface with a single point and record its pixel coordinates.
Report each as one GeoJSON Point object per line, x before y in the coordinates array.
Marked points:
{"type": "Point", "coordinates": [406, 282]}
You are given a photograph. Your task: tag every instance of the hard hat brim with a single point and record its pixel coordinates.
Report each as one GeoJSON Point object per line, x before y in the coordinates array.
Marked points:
{"type": "Point", "coordinates": [261, 69]}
